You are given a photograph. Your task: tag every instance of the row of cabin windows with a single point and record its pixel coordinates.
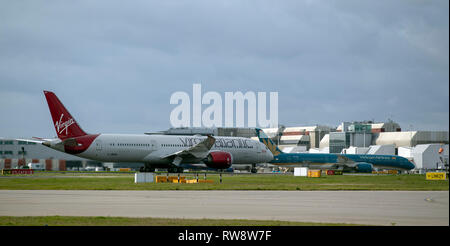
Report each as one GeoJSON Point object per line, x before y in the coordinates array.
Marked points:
{"type": "Point", "coordinates": [173, 145]}
{"type": "Point", "coordinates": [182, 145]}
{"type": "Point", "coordinates": [146, 145]}
{"type": "Point", "coordinates": [129, 144]}
{"type": "Point", "coordinates": [11, 142]}
{"type": "Point", "coordinates": [7, 152]}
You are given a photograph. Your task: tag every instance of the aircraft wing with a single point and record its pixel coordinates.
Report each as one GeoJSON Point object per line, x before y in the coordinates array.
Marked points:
{"type": "Point", "coordinates": [344, 160]}
{"type": "Point", "coordinates": [198, 151]}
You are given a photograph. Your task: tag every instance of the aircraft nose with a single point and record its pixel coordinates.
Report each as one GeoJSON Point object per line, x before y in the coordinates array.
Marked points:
{"type": "Point", "coordinates": [411, 165]}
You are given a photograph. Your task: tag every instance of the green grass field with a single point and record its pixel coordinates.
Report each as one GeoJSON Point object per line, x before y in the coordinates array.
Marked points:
{"type": "Point", "coordinates": [111, 181]}
{"type": "Point", "coordinates": [125, 181]}
{"type": "Point", "coordinates": [124, 221]}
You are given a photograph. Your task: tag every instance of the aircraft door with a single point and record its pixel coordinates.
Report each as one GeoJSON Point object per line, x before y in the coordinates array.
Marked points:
{"type": "Point", "coordinates": [98, 145]}
{"type": "Point", "coordinates": [154, 145]}
{"type": "Point", "coordinates": [98, 148]}
{"type": "Point", "coordinates": [258, 148]}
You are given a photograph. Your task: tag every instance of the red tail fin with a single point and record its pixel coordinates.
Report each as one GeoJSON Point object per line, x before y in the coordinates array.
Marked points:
{"type": "Point", "coordinates": [65, 124]}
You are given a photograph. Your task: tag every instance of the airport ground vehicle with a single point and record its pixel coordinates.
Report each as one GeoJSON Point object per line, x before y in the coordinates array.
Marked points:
{"type": "Point", "coordinates": [36, 166]}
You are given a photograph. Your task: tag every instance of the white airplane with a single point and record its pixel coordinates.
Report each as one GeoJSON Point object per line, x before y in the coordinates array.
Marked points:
{"type": "Point", "coordinates": [155, 151]}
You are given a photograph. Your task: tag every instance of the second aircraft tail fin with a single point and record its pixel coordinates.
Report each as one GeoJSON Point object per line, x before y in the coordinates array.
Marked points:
{"type": "Point", "coordinates": [266, 140]}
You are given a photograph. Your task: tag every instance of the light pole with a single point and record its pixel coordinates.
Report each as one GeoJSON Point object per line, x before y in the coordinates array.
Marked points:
{"type": "Point", "coordinates": [23, 156]}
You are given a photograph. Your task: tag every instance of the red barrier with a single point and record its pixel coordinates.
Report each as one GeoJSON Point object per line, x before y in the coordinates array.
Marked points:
{"type": "Point", "coordinates": [62, 165]}
{"type": "Point", "coordinates": [48, 165]}
{"type": "Point", "coordinates": [22, 171]}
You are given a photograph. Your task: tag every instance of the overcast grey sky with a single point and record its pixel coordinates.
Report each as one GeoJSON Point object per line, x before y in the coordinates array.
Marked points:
{"type": "Point", "coordinates": [115, 64]}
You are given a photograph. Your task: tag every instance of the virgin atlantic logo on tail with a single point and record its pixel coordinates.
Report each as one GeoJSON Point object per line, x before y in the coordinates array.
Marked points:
{"type": "Point", "coordinates": [61, 126]}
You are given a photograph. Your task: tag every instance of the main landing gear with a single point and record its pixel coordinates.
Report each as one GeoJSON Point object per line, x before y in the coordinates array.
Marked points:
{"type": "Point", "coordinates": [175, 169]}
{"type": "Point", "coordinates": [253, 170]}
{"type": "Point", "coordinates": [147, 169]}
{"type": "Point", "coordinates": [150, 169]}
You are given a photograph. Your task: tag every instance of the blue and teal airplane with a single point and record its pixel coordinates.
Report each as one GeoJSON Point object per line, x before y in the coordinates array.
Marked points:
{"type": "Point", "coordinates": [348, 162]}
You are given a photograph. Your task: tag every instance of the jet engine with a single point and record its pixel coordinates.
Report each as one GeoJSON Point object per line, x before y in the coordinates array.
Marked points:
{"type": "Point", "coordinates": [364, 167]}
{"type": "Point", "coordinates": [219, 160]}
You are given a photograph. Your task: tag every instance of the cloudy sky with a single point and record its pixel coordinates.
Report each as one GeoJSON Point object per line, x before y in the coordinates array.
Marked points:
{"type": "Point", "coordinates": [115, 64]}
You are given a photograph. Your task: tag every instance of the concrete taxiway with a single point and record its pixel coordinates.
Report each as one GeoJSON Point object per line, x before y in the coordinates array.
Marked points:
{"type": "Point", "coordinates": [418, 208]}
